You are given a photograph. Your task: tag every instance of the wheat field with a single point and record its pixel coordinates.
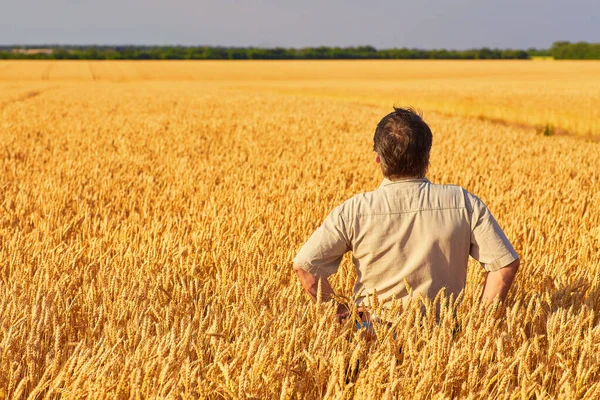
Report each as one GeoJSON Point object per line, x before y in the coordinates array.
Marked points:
{"type": "Point", "coordinates": [150, 212]}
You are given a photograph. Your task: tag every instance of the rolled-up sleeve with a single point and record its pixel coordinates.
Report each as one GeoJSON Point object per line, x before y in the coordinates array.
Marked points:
{"type": "Point", "coordinates": [489, 244]}
{"type": "Point", "coordinates": [322, 253]}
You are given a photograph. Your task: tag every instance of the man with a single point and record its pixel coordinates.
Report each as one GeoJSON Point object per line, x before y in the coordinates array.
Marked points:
{"type": "Point", "coordinates": [407, 230]}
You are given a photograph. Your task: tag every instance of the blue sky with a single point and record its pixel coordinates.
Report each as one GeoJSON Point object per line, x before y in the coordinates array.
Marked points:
{"type": "Point", "coordinates": [455, 24]}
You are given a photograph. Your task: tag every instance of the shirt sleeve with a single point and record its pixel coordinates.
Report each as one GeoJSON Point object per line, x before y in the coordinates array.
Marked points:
{"type": "Point", "coordinates": [489, 244]}
{"type": "Point", "coordinates": [322, 253]}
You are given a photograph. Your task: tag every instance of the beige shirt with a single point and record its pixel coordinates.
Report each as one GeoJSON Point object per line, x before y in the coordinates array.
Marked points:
{"type": "Point", "coordinates": [408, 230]}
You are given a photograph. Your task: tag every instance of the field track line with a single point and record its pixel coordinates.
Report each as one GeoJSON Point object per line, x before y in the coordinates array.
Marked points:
{"type": "Point", "coordinates": [46, 72]}
{"type": "Point", "coordinates": [92, 73]}
{"type": "Point", "coordinates": [24, 97]}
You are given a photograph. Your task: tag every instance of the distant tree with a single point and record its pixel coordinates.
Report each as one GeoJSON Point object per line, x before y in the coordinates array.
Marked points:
{"type": "Point", "coordinates": [560, 50]}
{"type": "Point", "coordinates": [237, 54]}
{"type": "Point", "coordinates": [513, 54]}
{"type": "Point", "coordinates": [533, 52]}
{"type": "Point", "coordinates": [575, 51]}
{"type": "Point", "coordinates": [60, 54]}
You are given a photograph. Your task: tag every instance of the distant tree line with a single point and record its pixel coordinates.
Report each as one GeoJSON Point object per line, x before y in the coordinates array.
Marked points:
{"type": "Point", "coordinates": [575, 51]}
{"type": "Point", "coordinates": [559, 50]}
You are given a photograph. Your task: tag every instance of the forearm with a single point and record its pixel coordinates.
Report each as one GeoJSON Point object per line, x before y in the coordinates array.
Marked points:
{"type": "Point", "coordinates": [310, 284]}
{"type": "Point", "coordinates": [498, 283]}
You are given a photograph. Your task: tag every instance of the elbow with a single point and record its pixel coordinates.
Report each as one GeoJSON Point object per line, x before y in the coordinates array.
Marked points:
{"type": "Point", "coordinates": [301, 272]}
{"type": "Point", "coordinates": [510, 271]}
{"type": "Point", "coordinates": [515, 264]}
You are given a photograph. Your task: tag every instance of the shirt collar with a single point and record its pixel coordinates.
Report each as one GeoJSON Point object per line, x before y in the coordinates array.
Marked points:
{"type": "Point", "coordinates": [387, 181]}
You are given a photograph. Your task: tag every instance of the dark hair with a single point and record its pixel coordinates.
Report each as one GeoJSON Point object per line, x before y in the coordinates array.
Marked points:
{"type": "Point", "coordinates": [402, 141]}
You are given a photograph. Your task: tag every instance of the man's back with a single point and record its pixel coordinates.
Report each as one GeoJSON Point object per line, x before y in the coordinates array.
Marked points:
{"type": "Point", "coordinates": [410, 231]}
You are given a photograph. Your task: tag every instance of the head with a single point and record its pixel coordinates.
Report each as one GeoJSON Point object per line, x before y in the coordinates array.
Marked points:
{"type": "Point", "coordinates": [402, 142]}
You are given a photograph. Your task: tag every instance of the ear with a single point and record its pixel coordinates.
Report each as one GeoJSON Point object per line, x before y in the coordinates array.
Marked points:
{"type": "Point", "coordinates": [377, 159]}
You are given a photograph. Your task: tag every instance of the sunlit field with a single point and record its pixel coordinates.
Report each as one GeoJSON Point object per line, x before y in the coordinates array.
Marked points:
{"type": "Point", "coordinates": [562, 95]}
{"type": "Point", "coordinates": [151, 210]}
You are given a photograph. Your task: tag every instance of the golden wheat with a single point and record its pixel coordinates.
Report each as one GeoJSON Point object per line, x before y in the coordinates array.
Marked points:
{"type": "Point", "coordinates": [150, 212]}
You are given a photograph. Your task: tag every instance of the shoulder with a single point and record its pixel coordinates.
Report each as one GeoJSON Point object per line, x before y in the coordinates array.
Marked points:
{"type": "Point", "coordinates": [472, 202]}
{"type": "Point", "coordinates": [446, 189]}
{"type": "Point", "coordinates": [447, 195]}
{"type": "Point", "coordinates": [358, 203]}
